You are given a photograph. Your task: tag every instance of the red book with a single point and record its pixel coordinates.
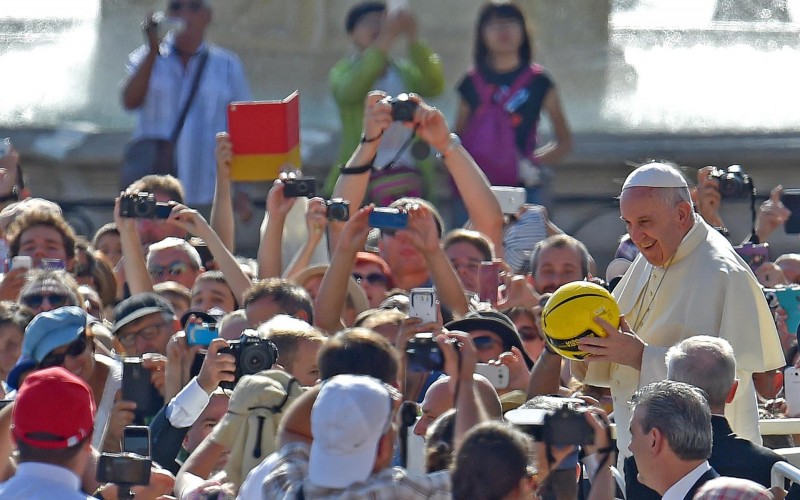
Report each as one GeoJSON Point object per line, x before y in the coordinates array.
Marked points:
{"type": "Point", "coordinates": [265, 137]}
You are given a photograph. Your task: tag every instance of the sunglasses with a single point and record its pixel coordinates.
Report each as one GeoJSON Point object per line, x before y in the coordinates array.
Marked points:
{"type": "Point", "coordinates": [74, 348]}
{"type": "Point", "coordinates": [190, 6]}
{"type": "Point", "coordinates": [372, 278]}
{"type": "Point", "coordinates": [35, 300]}
{"type": "Point", "coordinates": [173, 270]}
{"type": "Point", "coordinates": [483, 343]}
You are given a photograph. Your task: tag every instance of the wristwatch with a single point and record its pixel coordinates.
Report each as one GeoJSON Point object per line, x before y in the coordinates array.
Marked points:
{"type": "Point", "coordinates": [455, 141]}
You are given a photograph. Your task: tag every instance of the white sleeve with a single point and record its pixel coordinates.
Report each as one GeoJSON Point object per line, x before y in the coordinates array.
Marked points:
{"type": "Point", "coordinates": [187, 405]}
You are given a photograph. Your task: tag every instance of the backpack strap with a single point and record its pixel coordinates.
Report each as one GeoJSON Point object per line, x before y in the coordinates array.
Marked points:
{"type": "Point", "coordinates": [484, 90]}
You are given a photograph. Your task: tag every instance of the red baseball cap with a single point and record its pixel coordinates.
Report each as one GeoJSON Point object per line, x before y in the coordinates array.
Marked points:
{"type": "Point", "coordinates": [53, 402]}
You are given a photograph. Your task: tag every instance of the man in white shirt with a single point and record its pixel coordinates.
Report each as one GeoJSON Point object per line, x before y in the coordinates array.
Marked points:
{"type": "Point", "coordinates": [671, 438]}
{"type": "Point", "coordinates": [52, 427]}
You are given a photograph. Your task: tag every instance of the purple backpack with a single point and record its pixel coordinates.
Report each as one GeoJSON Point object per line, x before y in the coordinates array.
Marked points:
{"type": "Point", "coordinates": [489, 136]}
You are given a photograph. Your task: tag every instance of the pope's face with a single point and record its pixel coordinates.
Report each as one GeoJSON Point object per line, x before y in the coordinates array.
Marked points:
{"type": "Point", "coordinates": [655, 226]}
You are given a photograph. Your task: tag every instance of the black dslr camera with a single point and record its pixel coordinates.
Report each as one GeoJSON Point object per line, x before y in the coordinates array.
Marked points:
{"type": "Point", "coordinates": [300, 186]}
{"type": "Point", "coordinates": [567, 426]}
{"type": "Point", "coordinates": [424, 354]}
{"type": "Point", "coordinates": [253, 354]}
{"type": "Point", "coordinates": [123, 468]}
{"type": "Point", "coordinates": [733, 182]}
{"type": "Point", "coordinates": [563, 426]}
{"type": "Point", "coordinates": [338, 209]}
{"type": "Point", "coordinates": [143, 206]}
{"type": "Point", "coordinates": [403, 108]}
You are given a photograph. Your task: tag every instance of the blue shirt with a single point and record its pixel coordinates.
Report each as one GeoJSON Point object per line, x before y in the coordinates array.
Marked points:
{"type": "Point", "coordinates": [40, 481]}
{"type": "Point", "coordinates": [222, 82]}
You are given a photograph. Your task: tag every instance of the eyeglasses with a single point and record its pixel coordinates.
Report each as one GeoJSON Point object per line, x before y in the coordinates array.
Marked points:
{"type": "Point", "coordinates": [74, 348]}
{"type": "Point", "coordinates": [148, 333]}
{"type": "Point", "coordinates": [191, 6]}
{"type": "Point", "coordinates": [372, 278]}
{"type": "Point", "coordinates": [484, 343]}
{"type": "Point", "coordinates": [35, 300]}
{"type": "Point", "coordinates": [173, 270]}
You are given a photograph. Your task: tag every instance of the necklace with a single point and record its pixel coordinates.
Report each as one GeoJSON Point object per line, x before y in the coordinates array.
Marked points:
{"type": "Point", "coordinates": [639, 315]}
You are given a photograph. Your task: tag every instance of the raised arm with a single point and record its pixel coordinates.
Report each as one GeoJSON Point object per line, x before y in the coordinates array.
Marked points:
{"type": "Point", "coordinates": [222, 205]}
{"type": "Point", "coordinates": [269, 250]}
{"type": "Point", "coordinates": [193, 222]}
{"type": "Point", "coordinates": [316, 222]}
{"type": "Point", "coordinates": [133, 262]}
{"type": "Point", "coordinates": [135, 88]}
{"type": "Point", "coordinates": [333, 289]}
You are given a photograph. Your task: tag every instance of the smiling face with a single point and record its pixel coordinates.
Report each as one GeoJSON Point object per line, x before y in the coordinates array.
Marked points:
{"type": "Point", "coordinates": [655, 226]}
{"type": "Point", "coordinates": [42, 242]}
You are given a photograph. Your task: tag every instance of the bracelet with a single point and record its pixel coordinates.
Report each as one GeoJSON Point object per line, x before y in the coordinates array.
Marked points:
{"type": "Point", "coordinates": [343, 170]}
{"type": "Point", "coordinates": [365, 140]}
{"type": "Point", "coordinates": [98, 492]}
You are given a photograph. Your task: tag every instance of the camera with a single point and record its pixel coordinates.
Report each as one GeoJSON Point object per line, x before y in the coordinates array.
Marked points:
{"type": "Point", "coordinates": [567, 426]}
{"type": "Point", "coordinates": [403, 108]}
{"type": "Point", "coordinates": [388, 218]}
{"type": "Point", "coordinates": [253, 354]}
{"type": "Point", "coordinates": [562, 426]}
{"type": "Point", "coordinates": [338, 209]}
{"type": "Point", "coordinates": [123, 468]}
{"type": "Point", "coordinates": [733, 182]}
{"type": "Point", "coordinates": [300, 186]}
{"type": "Point", "coordinates": [143, 206]}
{"type": "Point", "coordinates": [424, 354]}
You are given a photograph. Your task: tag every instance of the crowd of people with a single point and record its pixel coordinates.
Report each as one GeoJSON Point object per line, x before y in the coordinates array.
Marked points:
{"type": "Point", "coordinates": [150, 359]}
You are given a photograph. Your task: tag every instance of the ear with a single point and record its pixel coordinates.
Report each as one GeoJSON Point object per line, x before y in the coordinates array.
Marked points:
{"type": "Point", "coordinates": [657, 441]}
{"type": "Point", "coordinates": [385, 453]}
{"type": "Point", "coordinates": [732, 393]}
{"type": "Point", "coordinates": [685, 213]}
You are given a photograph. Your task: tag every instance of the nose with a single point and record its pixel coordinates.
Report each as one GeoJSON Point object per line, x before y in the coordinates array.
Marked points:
{"type": "Point", "coordinates": [421, 427]}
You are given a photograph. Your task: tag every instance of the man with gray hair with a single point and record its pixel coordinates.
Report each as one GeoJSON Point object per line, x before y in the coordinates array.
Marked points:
{"type": "Point", "coordinates": [161, 74]}
{"type": "Point", "coordinates": [687, 280]}
{"type": "Point", "coordinates": [174, 259]}
{"type": "Point", "coordinates": [671, 438]}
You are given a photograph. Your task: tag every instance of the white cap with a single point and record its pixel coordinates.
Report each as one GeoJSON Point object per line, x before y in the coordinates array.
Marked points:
{"type": "Point", "coordinates": [349, 417]}
{"type": "Point", "coordinates": [657, 175]}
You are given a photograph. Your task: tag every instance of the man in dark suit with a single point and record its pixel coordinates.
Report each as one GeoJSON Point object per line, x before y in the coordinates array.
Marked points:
{"type": "Point", "coordinates": [709, 363]}
{"type": "Point", "coordinates": [671, 438]}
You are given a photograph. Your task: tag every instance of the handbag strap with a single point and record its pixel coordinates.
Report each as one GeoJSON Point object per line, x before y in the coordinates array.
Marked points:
{"type": "Point", "coordinates": [195, 84]}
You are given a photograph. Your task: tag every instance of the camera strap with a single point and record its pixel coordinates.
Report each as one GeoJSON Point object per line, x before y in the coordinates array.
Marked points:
{"type": "Point", "coordinates": [402, 150]}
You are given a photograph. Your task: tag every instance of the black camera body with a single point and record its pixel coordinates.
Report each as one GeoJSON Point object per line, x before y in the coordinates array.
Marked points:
{"type": "Point", "coordinates": [143, 206]}
{"type": "Point", "coordinates": [300, 186]}
{"type": "Point", "coordinates": [424, 355]}
{"type": "Point", "coordinates": [338, 209]}
{"type": "Point", "coordinates": [567, 426]}
{"type": "Point", "coordinates": [137, 387]}
{"type": "Point", "coordinates": [253, 354]}
{"type": "Point", "coordinates": [733, 182]}
{"type": "Point", "coordinates": [403, 108]}
{"type": "Point", "coordinates": [123, 468]}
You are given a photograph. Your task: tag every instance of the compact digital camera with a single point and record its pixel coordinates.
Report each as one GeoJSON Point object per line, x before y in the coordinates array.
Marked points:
{"type": "Point", "coordinates": [733, 182]}
{"type": "Point", "coordinates": [300, 186]}
{"type": "Point", "coordinates": [424, 355]}
{"type": "Point", "coordinates": [143, 206]}
{"type": "Point", "coordinates": [563, 426]}
{"type": "Point", "coordinates": [403, 108]}
{"type": "Point", "coordinates": [338, 209]}
{"type": "Point", "coordinates": [253, 354]}
{"type": "Point", "coordinates": [123, 468]}
{"type": "Point", "coordinates": [388, 218]}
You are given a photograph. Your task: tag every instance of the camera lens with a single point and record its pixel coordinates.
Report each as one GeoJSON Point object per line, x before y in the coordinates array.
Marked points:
{"type": "Point", "coordinates": [255, 358]}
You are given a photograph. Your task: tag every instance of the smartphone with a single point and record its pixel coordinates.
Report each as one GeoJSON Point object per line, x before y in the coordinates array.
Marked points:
{"type": "Point", "coordinates": [791, 199]}
{"type": "Point", "coordinates": [753, 254]}
{"type": "Point", "coordinates": [489, 281]}
{"type": "Point", "coordinates": [423, 304]}
{"type": "Point", "coordinates": [510, 199]}
{"type": "Point", "coordinates": [789, 299]}
{"type": "Point", "coordinates": [791, 390]}
{"type": "Point", "coordinates": [201, 333]}
{"type": "Point", "coordinates": [497, 374]}
{"type": "Point", "coordinates": [136, 439]}
{"type": "Point", "coordinates": [388, 218]}
{"type": "Point", "coordinates": [137, 387]}
{"type": "Point", "coordinates": [202, 250]}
